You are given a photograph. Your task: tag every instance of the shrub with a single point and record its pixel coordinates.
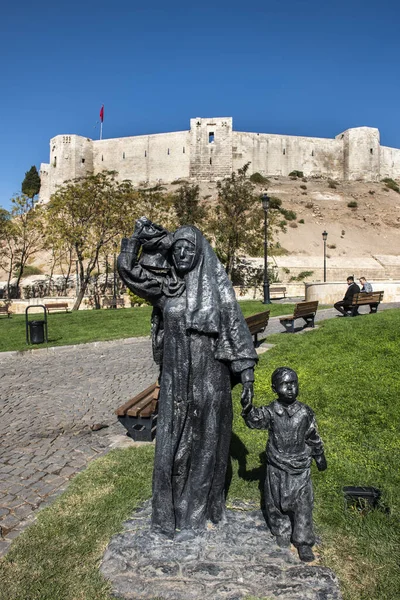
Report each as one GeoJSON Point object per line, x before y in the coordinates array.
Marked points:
{"type": "Point", "coordinates": [299, 174]}
{"type": "Point", "coordinates": [331, 246]}
{"type": "Point", "coordinates": [30, 270]}
{"type": "Point", "coordinates": [304, 179]}
{"type": "Point", "coordinates": [258, 178]}
{"type": "Point", "coordinates": [332, 184]}
{"type": "Point", "coordinates": [352, 204]}
{"type": "Point", "coordinates": [301, 221]}
{"type": "Point", "coordinates": [372, 192]}
{"type": "Point", "coordinates": [391, 184]}
{"type": "Point", "coordinates": [289, 215]}
{"type": "Point", "coordinates": [303, 187]}
{"type": "Point", "coordinates": [309, 205]}
{"type": "Point", "coordinates": [278, 250]}
{"type": "Point", "coordinates": [301, 276]}
{"type": "Point", "coordinates": [136, 300]}
{"type": "Point", "coordinates": [275, 202]}
{"type": "Point", "coordinates": [282, 224]}
{"type": "Point", "coordinates": [286, 270]}
{"type": "Point", "coordinates": [304, 193]}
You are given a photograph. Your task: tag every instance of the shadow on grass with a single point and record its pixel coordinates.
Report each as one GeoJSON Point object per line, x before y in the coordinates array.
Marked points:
{"type": "Point", "coordinates": [239, 452]}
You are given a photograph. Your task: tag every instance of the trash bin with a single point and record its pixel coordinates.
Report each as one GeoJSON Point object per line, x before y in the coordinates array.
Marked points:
{"type": "Point", "coordinates": [36, 332]}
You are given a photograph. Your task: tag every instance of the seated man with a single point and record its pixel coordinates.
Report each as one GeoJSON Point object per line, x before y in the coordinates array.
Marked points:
{"type": "Point", "coordinates": [366, 286]}
{"type": "Point", "coordinates": [344, 305]}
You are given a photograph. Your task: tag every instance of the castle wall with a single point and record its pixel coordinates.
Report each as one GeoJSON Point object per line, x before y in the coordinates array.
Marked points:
{"type": "Point", "coordinates": [280, 154]}
{"type": "Point", "coordinates": [211, 150]}
{"type": "Point", "coordinates": [162, 157]}
{"type": "Point", "coordinates": [390, 162]}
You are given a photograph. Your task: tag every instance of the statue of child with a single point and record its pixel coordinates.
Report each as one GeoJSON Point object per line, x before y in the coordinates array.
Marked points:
{"type": "Point", "coordinates": [292, 443]}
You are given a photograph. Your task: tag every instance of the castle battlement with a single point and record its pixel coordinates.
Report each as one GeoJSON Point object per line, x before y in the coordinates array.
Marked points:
{"type": "Point", "coordinates": [211, 150]}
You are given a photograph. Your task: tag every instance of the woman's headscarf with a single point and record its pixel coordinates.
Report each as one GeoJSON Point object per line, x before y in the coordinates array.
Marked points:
{"type": "Point", "coordinates": [211, 302]}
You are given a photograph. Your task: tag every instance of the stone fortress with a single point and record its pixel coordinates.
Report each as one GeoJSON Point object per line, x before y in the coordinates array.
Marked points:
{"type": "Point", "coordinates": [212, 150]}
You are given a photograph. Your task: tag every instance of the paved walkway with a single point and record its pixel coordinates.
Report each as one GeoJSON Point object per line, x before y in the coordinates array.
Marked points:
{"type": "Point", "coordinates": [49, 399]}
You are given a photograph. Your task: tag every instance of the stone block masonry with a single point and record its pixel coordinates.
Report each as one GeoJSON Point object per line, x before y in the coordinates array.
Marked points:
{"type": "Point", "coordinates": [211, 150]}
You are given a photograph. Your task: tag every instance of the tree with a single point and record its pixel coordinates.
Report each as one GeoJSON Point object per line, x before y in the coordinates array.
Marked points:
{"type": "Point", "coordinates": [22, 237]}
{"type": "Point", "coordinates": [31, 183]}
{"type": "Point", "coordinates": [237, 224]}
{"type": "Point", "coordinates": [157, 206]}
{"type": "Point", "coordinates": [186, 202]}
{"type": "Point", "coordinates": [88, 214]}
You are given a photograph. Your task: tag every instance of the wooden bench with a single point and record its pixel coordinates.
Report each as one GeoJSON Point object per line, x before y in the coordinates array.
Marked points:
{"type": "Point", "coordinates": [278, 290]}
{"type": "Point", "coordinates": [5, 310]}
{"type": "Point", "coordinates": [303, 310]}
{"type": "Point", "coordinates": [363, 298]}
{"type": "Point", "coordinates": [257, 323]}
{"type": "Point", "coordinates": [113, 302]}
{"type": "Point", "coordinates": [57, 306]}
{"type": "Point", "coordinates": [139, 415]}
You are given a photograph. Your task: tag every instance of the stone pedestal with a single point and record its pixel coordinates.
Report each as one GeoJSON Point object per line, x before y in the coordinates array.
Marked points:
{"type": "Point", "coordinates": [233, 560]}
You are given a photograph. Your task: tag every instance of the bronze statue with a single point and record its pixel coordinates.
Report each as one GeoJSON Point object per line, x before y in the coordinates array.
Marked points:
{"type": "Point", "coordinates": [203, 346]}
{"type": "Point", "coordinates": [292, 443]}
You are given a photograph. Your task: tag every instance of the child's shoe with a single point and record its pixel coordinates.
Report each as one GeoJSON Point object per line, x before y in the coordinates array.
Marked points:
{"type": "Point", "coordinates": [305, 553]}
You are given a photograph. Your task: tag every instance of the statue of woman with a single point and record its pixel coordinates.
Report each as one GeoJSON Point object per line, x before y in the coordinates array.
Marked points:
{"type": "Point", "coordinates": [203, 346]}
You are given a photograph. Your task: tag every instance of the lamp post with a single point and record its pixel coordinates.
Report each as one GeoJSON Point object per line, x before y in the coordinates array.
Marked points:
{"type": "Point", "coordinates": [265, 205]}
{"type": "Point", "coordinates": [115, 278]}
{"type": "Point", "coordinates": [324, 236]}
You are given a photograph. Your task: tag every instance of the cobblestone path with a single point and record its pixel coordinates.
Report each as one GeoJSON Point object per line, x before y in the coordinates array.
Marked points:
{"type": "Point", "coordinates": [48, 401]}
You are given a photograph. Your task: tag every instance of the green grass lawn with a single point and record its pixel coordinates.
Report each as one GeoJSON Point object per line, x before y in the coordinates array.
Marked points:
{"type": "Point", "coordinates": [99, 325]}
{"type": "Point", "coordinates": [348, 372]}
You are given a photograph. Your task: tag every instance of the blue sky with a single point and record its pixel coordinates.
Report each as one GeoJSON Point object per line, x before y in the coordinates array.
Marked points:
{"type": "Point", "coordinates": [299, 67]}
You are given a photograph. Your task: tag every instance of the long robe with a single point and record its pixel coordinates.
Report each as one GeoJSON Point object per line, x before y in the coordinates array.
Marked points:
{"type": "Point", "coordinates": [205, 343]}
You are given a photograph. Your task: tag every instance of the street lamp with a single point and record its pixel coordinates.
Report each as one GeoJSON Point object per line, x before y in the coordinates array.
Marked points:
{"type": "Point", "coordinates": [115, 277]}
{"type": "Point", "coordinates": [265, 205]}
{"type": "Point", "coordinates": [324, 236]}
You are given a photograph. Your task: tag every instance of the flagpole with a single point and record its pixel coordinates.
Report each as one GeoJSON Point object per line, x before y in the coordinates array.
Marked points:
{"type": "Point", "coordinates": [101, 120]}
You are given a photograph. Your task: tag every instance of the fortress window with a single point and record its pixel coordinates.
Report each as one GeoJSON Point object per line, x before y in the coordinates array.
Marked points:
{"type": "Point", "coordinates": [55, 161]}
{"type": "Point", "coordinates": [83, 160]}
{"type": "Point", "coordinates": [211, 137]}
{"type": "Point", "coordinates": [183, 149]}
{"type": "Point", "coordinates": [168, 151]}
{"type": "Point", "coordinates": [371, 150]}
{"type": "Point", "coordinates": [145, 153]}
{"type": "Point", "coordinates": [123, 155]}
{"type": "Point", "coordinates": [312, 153]}
{"type": "Point", "coordinates": [284, 151]}
{"type": "Point", "coordinates": [210, 161]}
{"type": "Point", "coordinates": [102, 158]}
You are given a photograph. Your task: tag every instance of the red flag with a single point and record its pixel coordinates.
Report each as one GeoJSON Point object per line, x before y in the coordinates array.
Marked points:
{"type": "Point", "coordinates": [102, 113]}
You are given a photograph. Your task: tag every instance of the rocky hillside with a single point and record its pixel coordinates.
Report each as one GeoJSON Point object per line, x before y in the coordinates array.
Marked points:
{"type": "Point", "coordinates": [362, 221]}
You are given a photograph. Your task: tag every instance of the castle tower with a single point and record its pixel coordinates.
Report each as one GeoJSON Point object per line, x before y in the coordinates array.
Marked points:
{"type": "Point", "coordinates": [210, 148]}
{"type": "Point", "coordinates": [71, 156]}
{"type": "Point", "coordinates": [361, 153]}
